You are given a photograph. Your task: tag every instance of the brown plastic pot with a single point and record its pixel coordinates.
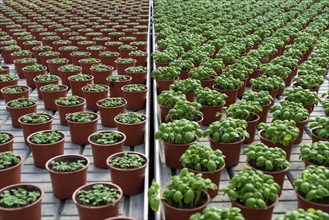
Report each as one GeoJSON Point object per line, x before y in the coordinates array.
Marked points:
{"type": "Point", "coordinates": [29, 128]}
{"type": "Point", "coordinates": [231, 95]}
{"type": "Point", "coordinates": [16, 113]}
{"type": "Point", "coordinates": [263, 114]}
{"type": "Point", "coordinates": [164, 112]}
{"type": "Point", "coordinates": [29, 76]}
{"type": "Point", "coordinates": [134, 132]}
{"type": "Point", "coordinates": [29, 212]}
{"type": "Point", "coordinates": [19, 68]}
{"type": "Point", "coordinates": [93, 97]}
{"type": "Point", "coordinates": [251, 129]}
{"type": "Point", "coordinates": [53, 67]}
{"type": "Point", "coordinates": [6, 55]}
{"type": "Point", "coordinates": [172, 212]}
{"type": "Point", "coordinates": [300, 126]}
{"type": "Point", "coordinates": [124, 177]}
{"type": "Point", "coordinates": [316, 138]}
{"type": "Point", "coordinates": [50, 97]}
{"type": "Point", "coordinates": [43, 152]}
{"type": "Point", "coordinates": [269, 143]}
{"type": "Point", "coordinates": [209, 114]}
{"type": "Point", "coordinates": [102, 151]}
{"type": "Point", "coordinates": [231, 151]}
{"type": "Point", "coordinates": [39, 84]}
{"type": "Point", "coordinates": [5, 71]}
{"type": "Point", "coordinates": [65, 183]}
{"type": "Point", "coordinates": [256, 214]}
{"type": "Point", "coordinates": [11, 96]}
{"type": "Point", "coordinates": [87, 212]}
{"type": "Point", "coordinates": [242, 88]}
{"type": "Point", "coordinates": [304, 204]}
{"type": "Point", "coordinates": [115, 86]}
{"type": "Point", "coordinates": [64, 110]}
{"type": "Point", "coordinates": [11, 175]}
{"type": "Point", "coordinates": [109, 113]}
{"type": "Point", "coordinates": [135, 100]}
{"type": "Point", "coordinates": [7, 146]}
{"type": "Point", "coordinates": [7, 83]}
{"type": "Point", "coordinates": [80, 131]}
{"type": "Point", "coordinates": [137, 78]}
{"type": "Point", "coordinates": [173, 153]}
{"type": "Point", "coordinates": [163, 85]}
{"type": "Point", "coordinates": [100, 76]}
{"type": "Point", "coordinates": [254, 75]}
{"type": "Point", "coordinates": [76, 86]}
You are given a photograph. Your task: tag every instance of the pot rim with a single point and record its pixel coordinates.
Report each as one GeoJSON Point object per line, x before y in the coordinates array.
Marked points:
{"type": "Point", "coordinates": [67, 156]}
{"type": "Point", "coordinates": [121, 123]}
{"type": "Point", "coordinates": [129, 78]}
{"type": "Point", "coordinates": [268, 207]}
{"type": "Point", "coordinates": [7, 105]}
{"type": "Point", "coordinates": [16, 165]}
{"type": "Point", "coordinates": [64, 106]}
{"type": "Point", "coordinates": [63, 88]}
{"type": "Point", "coordinates": [233, 143]}
{"type": "Point", "coordinates": [11, 86]}
{"type": "Point", "coordinates": [106, 86]}
{"type": "Point", "coordinates": [74, 122]}
{"type": "Point", "coordinates": [129, 152]}
{"type": "Point", "coordinates": [145, 88]}
{"type": "Point", "coordinates": [266, 171]}
{"type": "Point", "coordinates": [40, 113]}
{"type": "Point", "coordinates": [35, 144]}
{"type": "Point", "coordinates": [299, 196]}
{"type": "Point", "coordinates": [106, 131]}
{"type": "Point", "coordinates": [11, 139]}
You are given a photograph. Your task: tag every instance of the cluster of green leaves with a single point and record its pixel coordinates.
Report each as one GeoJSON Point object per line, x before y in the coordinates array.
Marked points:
{"type": "Point", "coordinates": [81, 117]}
{"type": "Point", "coordinates": [69, 68]}
{"type": "Point", "coordinates": [18, 197]}
{"type": "Point", "coordinates": [166, 73]}
{"type": "Point", "coordinates": [118, 78]}
{"type": "Point", "coordinates": [109, 54]}
{"type": "Point", "coordinates": [89, 60]}
{"type": "Point", "coordinates": [32, 42]}
{"type": "Point", "coordinates": [127, 47]}
{"type": "Point", "coordinates": [136, 69]}
{"type": "Point", "coordinates": [112, 102]}
{"type": "Point", "coordinates": [262, 97]}
{"type": "Point", "coordinates": [4, 137]}
{"type": "Point", "coordinates": [202, 158]}
{"type": "Point", "coordinates": [214, 213]}
{"type": "Point", "coordinates": [163, 57]}
{"type": "Point", "coordinates": [46, 78]}
{"type": "Point", "coordinates": [80, 77]}
{"type": "Point", "coordinates": [48, 53]}
{"type": "Point", "coordinates": [267, 83]}
{"type": "Point", "coordinates": [186, 86]}
{"type": "Point", "coordinates": [168, 98]}
{"type": "Point", "coordinates": [271, 69]}
{"type": "Point", "coordinates": [179, 132]}
{"type": "Point", "coordinates": [320, 126]}
{"type": "Point", "coordinates": [58, 60]}
{"type": "Point", "coordinates": [95, 88]}
{"type": "Point", "coordinates": [127, 160]}
{"type": "Point", "coordinates": [316, 153]}
{"type": "Point", "coordinates": [11, 47]}
{"type": "Point", "coordinates": [244, 110]}
{"type": "Point", "coordinates": [14, 89]}
{"type": "Point", "coordinates": [266, 158]}
{"type": "Point", "coordinates": [325, 106]}
{"type": "Point", "coordinates": [134, 88]}
{"type": "Point", "coordinates": [35, 118]}
{"type": "Point", "coordinates": [227, 130]}
{"type": "Point", "coordinates": [52, 88]}
{"type": "Point", "coordinates": [101, 67]}
{"type": "Point", "coordinates": [43, 48]}
{"type": "Point", "coordinates": [253, 189]}
{"type": "Point", "coordinates": [125, 60]}
{"type": "Point", "coordinates": [107, 137]}
{"type": "Point", "coordinates": [287, 110]}
{"type": "Point", "coordinates": [8, 159]}
{"type": "Point", "coordinates": [185, 109]}
{"type": "Point", "coordinates": [202, 73]}
{"type": "Point", "coordinates": [69, 100]}
{"type": "Point", "coordinates": [138, 53]}
{"type": "Point", "coordinates": [7, 77]}
{"type": "Point", "coordinates": [34, 68]}
{"type": "Point", "coordinates": [22, 102]}
{"type": "Point", "coordinates": [67, 164]}
{"type": "Point", "coordinates": [282, 132]}
{"type": "Point", "coordinates": [98, 195]}
{"type": "Point", "coordinates": [66, 48]}
{"type": "Point", "coordinates": [304, 96]}
{"type": "Point", "coordinates": [183, 65]}
{"type": "Point", "coordinates": [311, 214]}
{"type": "Point", "coordinates": [227, 83]}
{"type": "Point", "coordinates": [313, 183]}
{"type": "Point", "coordinates": [309, 81]}
{"type": "Point", "coordinates": [46, 137]}
{"type": "Point", "coordinates": [114, 43]}
{"type": "Point", "coordinates": [80, 53]}
{"type": "Point", "coordinates": [130, 118]}
{"type": "Point", "coordinates": [21, 53]}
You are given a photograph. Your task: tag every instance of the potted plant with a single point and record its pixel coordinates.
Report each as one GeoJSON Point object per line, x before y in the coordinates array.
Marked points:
{"type": "Point", "coordinates": [187, 87]}
{"type": "Point", "coordinates": [263, 98]}
{"type": "Point", "coordinates": [270, 84]}
{"type": "Point", "coordinates": [21, 54]}
{"type": "Point", "coordinates": [241, 191]}
{"type": "Point", "coordinates": [21, 63]}
{"type": "Point", "coordinates": [10, 93]}
{"type": "Point", "coordinates": [4, 70]}
{"type": "Point", "coordinates": [126, 168]}
{"type": "Point", "coordinates": [185, 109]}
{"type": "Point", "coordinates": [247, 111]}
{"type": "Point", "coordinates": [55, 63]}
{"type": "Point", "coordinates": [69, 104]}
{"type": "Point", "coordinates": [188, 201]}
{"type": "Point", "coordinates": [78, 55]}
{"type": "Point", "coordinates": [202, 159]}
{"type": "Point", "coordinates": [7, 80]}
{"type": "Point", "coordinates": [311, 189]}
{"type": "Point", "coordinates": [304, 96]}
{"type": "Point", "coordinates": [97, 200]}
{"type": "Point", "coordinates": [30, 72]}
{"type": "Point", "coordinates": [320, 128]}
{"type": "Point", "coordinates": [109, 57]}
{"type": "Point", "coordinates": [206, 75]}
{"type": "Point", "coordinates": [93, 93]}
{"type": "Point", "coordinates": [135, 95]}
{"type": "Point", "coordinates": [287, 110]}
{"type": "Point", "coordinates": [6, 141]}
{"type": "Point", "coordinates": [113, 46]}
{"type": "Point", "coordinates": [315, 154]}
{"type": "Point", "coordinates": [81, 125]}
{"type": "Point", "coordinates": [101, 72]}
{"type": "Point", "coordinates": [132, 124]}
{"type": "Point", "coordinates": [309, 81]}
{"type": "Point", "coordinates": [68, 70]}
{"type": "Point", "coordinates": [165, 76]}
{"type": "Point", "coordinates": [10, 168]}
{"type": "Point", "coordinates": [167, 100]}
{"type": "Point", "coordinates": [304, 214]}
{"type": "Point", "coordinates": [45, 145]}
{"type": "Point", "coordinates": [126, 49]}
{"type": "Point", "coordinates": [65, 51]}
{"type": "Point", "coordinates": [87, 63]}
{"type": "Point", "coordinates": [48, 55]}
{"type": "Point", "coordinates": [34, 122]}
{"type": "Point", "coordinates": [21, 200]}
{"type": "Point", "coordinates": [116, 82]}
{"type": "Point", "coordinates": [279, 133]}
{"type": "Point", "coordinates": [50, 93]}
{"type": "Point", "coordinates": [78, 81]}
{"type": "Point", "coordinates": [109, 108]}
{"type": "Point", "coordinates": [7, 51]}
{"type": "Point", "coordinates": [229, 86]}
{"type": "Point", "coordinates": [39, 49]}
{"type": "Point", "coordinates": [124, 63]}
{"type": "Point", "coordinates": [19, 107]}
{"type": "Point", "coordinates": [223, 214]}
{"type": "Point", "coordinates": [185, 67]}
{"type": "Point", "coordinates": [67, 173]}
{"type": "Point", "coordinates": [227, 135]}
{"type": "Point", "coordinates": [105, 144]}
{"type": "Point", "coordinates": [270, 160]}
{"type": "Point", "coordinates": [138, 74]}
{"type": "Point", "coordinates": [186, 132]}
{"type": "Point", "coordinates": [140, 56]}
{"type": "Point", "coordinates": [45, 79]}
